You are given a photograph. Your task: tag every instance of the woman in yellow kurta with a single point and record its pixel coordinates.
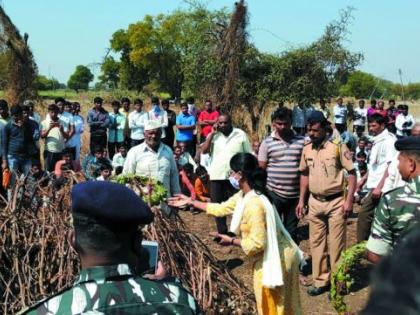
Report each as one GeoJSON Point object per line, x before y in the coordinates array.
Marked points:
{"type": "Point", "coordinates": [252, 225]}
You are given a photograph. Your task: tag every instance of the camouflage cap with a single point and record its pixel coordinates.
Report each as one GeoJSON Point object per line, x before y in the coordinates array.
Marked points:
{"type": "Point", "coordinates": [110, 202]}
{"type": "Point", "coordinates": [408, 144]}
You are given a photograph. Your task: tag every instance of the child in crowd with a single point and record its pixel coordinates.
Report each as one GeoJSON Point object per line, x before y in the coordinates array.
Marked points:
{"type": "Point", "coordinates": [255, 147]}
{"type": "Point", "coordinates": [119, 158]}
{"type": "Point", "coordinates": [36, 177]}
{"type": "Point", "coordinates": [91, 164]}
{"type": "Point", "coordinates": [187, 177]}
{"type": "Point", "coordinates": [202, 184]}
{"type": "Point", "coordinates": [105, 170]}
{"type": "Point", "coordinates": [360, 172]}
{"type": "Point", "coordinates": [68, 161]}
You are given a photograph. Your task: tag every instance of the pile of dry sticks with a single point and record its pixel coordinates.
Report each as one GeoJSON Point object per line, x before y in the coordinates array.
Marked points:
{"type": "Point", "coordinates": [37, 261]}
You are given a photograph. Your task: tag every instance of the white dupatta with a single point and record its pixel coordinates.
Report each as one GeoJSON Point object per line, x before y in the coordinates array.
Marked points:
{"type": "Point", "coordinates": [272, 269]}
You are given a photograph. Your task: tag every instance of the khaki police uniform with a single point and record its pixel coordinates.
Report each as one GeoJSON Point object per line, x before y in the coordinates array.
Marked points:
{"type": "Point", "coordinates": [326, 166]}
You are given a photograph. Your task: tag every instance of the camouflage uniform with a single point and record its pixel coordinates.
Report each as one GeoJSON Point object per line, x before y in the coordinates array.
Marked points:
{"type": "Point", "coordinates": [117, 290]}
{"type": "Point", "coordinates": [397, 213]}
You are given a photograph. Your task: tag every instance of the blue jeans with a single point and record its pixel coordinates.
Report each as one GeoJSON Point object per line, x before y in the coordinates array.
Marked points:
{"type": "Point", "coordinates": [19, 164]}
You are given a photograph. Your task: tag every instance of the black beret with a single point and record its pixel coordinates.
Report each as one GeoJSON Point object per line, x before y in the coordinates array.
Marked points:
{"type": "Point", "coordinates": [110, 202]}
{"type": "Point", "coordinates": [316, 117]}
{"type": "Point", "coordinates": [408, 144]}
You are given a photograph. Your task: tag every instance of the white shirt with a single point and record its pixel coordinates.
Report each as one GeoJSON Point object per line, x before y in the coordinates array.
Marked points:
{"type": "Point", "coordinates": [118, 160]}
{"type": "Point", "coordinates": [340, 114]}
{"type": "Point", "coordinates": [394, 179]}
{"type": "Point", "coordinates": [362, 113]}
{"type": "Point", "coordinates": [399, 122]}
{"type": "Point", "coordinates": [161, 166]}
{"type": "Point", "coordinates": [136, 122]}
{"type": "Point", "coordinates": [382, 154]}
{"type": "Point", "coordinates": [79, 125]}
{"type": "Point", "coordinates": [162, 117]}
{"type": "Point", "coordinates": [223, 149]}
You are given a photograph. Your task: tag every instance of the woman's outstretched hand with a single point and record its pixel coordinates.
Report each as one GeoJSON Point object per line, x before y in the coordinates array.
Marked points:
{"type": "Point", "coordinates": [179, 201]}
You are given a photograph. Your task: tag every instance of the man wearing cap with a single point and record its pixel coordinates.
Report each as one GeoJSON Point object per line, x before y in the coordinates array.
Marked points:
{"type": "Point", "coordinates": [399, 209]}
{"type": "Point", "coordinates": [153, 158]}
{"type": "Point", "coordinates": [108, 242]}
{"type": "Point", "coordinates": [322, 169]}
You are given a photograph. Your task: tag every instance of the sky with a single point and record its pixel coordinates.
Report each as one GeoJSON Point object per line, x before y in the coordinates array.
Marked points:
{"type": "Point", "coordinates": [64, 33]}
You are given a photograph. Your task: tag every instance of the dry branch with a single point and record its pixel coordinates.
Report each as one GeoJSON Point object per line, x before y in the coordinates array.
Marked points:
{"type": "Point", "coordinates": [37, 260]}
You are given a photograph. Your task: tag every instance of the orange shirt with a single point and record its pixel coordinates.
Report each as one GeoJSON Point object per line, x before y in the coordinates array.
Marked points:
{"type": "Point", "coordinates": [201, 190]}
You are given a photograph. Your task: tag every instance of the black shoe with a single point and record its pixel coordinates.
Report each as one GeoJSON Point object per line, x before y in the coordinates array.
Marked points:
{"type": "Point", "coordinates": [314, 291]}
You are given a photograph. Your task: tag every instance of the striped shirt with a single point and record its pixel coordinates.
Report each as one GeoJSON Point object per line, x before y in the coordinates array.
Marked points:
{"type": "Point", "coordinates": [283, 160]}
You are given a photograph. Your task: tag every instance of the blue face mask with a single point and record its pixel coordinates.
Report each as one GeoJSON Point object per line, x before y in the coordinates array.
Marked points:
{"type": "Point", "coordinates": [234, 182]}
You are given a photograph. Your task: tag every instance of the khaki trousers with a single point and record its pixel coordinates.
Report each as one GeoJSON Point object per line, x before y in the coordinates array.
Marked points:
{"type": "Point", "coordinates": [325, 217]}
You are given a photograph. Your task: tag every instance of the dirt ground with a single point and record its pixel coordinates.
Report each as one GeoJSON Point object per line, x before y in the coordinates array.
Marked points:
{"type": "Point", "coordinates": [202, 225]}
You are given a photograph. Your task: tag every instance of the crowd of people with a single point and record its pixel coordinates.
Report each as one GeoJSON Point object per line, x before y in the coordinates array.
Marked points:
{"type": "Point", "coordinates": [310, 164]}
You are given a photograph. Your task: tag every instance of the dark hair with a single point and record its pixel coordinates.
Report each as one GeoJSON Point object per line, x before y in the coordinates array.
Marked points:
{"type": "Point", "coordinates": [138, 101]}
{"type": "Point", "coordinates": [155, 100]}
{"type": "Point", "coordinates": [208, 101]}
{"type": "Point", "coordinates": [247, 164]}
{"type": "Point", "coordinates": [16, 110]}
{"type": "Point", "coordinates": [119, 170]}
{"type": "Point", "coordinates": [362, 139]}
{"type": "Point", "coordinates": [165, 101]}
{"type": "Point", "coordinates": [3, 104]}
{"type": "Point", "coordinates": [98, 148]}
{"type": "Point", "coordinates": [361, 154]}
{"type": "Point", "coordinates": [362, 101]}
{"type": "Point", "coordinates": [103, 238]}
{"type": "Point", "coordinates": [395, 281]}
{"type": "Point", "coordinates": [104, 165]}
{"type": "Point", "coordinates": [391, 100]}
{"type": "Point", "coordinates": [53, 107]}
{"type": "Point", "coordinates": [125, 100]}
{"type": "Point", "coordinates": [282, 113]}
{"type": "Point", "coordinates": [115, 103]}
{"type": "Point", "coordinates": [183, 105]}
{"type": "Point", "coordinates": [26, 108]}
{"type": "Point", "coordinates": [67, 151]}
{"type": "Point", "coordinates": [98, 100]}
{"type": "Point", "coordinates": [122, 147]}
{"type": "Point", "coordinates": [59, 99]}
{"type": "Point", "coordinates": [190, 100]}
{"type": "Point", "coordinates": [378, 118]}
{"type": "Point", "coordinates": [188, 168]}
{"type": "Point", "coordinates": [36, 163]}
{"type": "Point", "coordinates": [373, 102]}
{"type": "Point", "coordinates": [200, 170]}
{"type": "Point", "coordinates": [362, 166]}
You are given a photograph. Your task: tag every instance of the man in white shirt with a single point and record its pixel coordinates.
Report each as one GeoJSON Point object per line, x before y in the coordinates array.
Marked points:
{"type": "Point", "coordinates": [222, 144]}
{"type": "Point", "coordinates": [153, 158]}
{"type": "Point", "coordinates": [119, 159]}
{"type": "Point", "coordinates": [136, 121]}
{"type": "Point", "coordinates": [360, 115]}
{"type": "Point", "coordinates": [404, 122]}
{"type": "Point", "coordinates": [382, 154]}
{"type": "Point", "coordinates": [340, 114]}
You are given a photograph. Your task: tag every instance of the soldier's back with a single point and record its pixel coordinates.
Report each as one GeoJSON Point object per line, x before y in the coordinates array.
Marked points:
{"type": "Point", "coordinates": [100, 291]}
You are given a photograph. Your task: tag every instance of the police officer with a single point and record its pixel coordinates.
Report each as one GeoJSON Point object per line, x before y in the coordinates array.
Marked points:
{"type": "Point", "coordinates": [323, 165]}
{"type": "Point", "coordinates": [106, 237]}
{"type": "Point", "coordinates": [399, 209]}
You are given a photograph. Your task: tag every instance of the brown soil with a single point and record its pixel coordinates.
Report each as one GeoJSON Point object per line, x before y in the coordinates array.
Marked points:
{"type": "Point", "coordinates": [202, 225]}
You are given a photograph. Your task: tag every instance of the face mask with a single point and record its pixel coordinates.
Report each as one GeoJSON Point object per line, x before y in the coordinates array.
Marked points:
{"type": "Point", "coordinates": [234, 182]}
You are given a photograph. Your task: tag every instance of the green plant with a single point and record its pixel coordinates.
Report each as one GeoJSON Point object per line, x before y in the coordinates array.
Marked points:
{"type": "Point", "coordinates": [150, 190]}
{"type": "Point", "coordinates": [341, 280]}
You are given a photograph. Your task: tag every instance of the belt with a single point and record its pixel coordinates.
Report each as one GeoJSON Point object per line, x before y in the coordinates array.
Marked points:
{"type": "Point", "coordinates": [328, 198]}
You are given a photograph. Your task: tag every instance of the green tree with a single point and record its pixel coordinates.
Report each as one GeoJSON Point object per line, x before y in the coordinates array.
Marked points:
{"type": "Point", "coordinates": [80, 79]}
{"type": "Point", "coordinates": [110, 76]}
{"type": "Point", "coordinates": [42, 83]}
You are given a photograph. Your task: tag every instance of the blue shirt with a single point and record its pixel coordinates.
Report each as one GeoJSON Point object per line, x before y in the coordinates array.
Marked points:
{"type": "Point", "coordinates": [185, 120]}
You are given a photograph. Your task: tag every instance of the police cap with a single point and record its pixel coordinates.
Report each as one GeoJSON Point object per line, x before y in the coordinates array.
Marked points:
{"type": "Point", "coordinates": [110, 202]}
{"type": "Point", "coordinates": [408, 144]}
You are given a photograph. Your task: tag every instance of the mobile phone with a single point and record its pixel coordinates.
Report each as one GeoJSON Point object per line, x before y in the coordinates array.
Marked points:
{"type": "Point", "coordinates": [150, 255]}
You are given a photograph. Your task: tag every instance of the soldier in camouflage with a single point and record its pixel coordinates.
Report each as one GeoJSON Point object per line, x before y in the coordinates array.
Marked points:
{"type": "Point", "coordinates": [399, 209]}
{"type": "Point", "coordinates": [106, 217]}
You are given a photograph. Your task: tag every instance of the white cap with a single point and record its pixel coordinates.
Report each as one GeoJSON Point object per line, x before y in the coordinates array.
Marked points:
{"type": "Point", "coordinates": [152, 125]}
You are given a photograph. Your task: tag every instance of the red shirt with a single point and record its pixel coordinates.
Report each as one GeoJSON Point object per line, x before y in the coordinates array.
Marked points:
{"type": "Point", "coordinates": [205, 115]}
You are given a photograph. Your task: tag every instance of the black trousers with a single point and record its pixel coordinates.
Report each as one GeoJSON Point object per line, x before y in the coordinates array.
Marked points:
{"type": "Point", "coordinates": [133, 142]}
{"type": "Point", "coordinates": [50, 159]}
{"type": "Point", "coordinates": [169, 139]}
{"type": "Point", "coordinates": [286, 209]}
{"type": "Point", "coordinates": [113, 147]}
{"type": "Point", "coordinates": [221, 190]}
{"type": "Point", "coordinates": [97, 139]}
